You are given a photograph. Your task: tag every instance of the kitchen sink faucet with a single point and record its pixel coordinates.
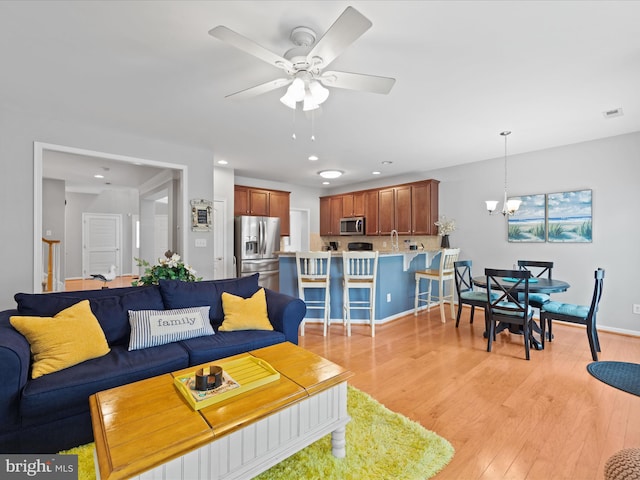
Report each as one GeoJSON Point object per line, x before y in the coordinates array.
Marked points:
{"type": "Point", "coordinates": [394, 241]}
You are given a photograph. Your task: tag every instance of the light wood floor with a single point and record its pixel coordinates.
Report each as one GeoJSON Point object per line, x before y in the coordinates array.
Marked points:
{"type": "Point", "coordinates": [506, 417]}
{"type": "Point", "coordinates": [91, 284]}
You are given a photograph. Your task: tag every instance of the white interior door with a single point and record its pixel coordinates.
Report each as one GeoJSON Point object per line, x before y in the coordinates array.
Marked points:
{"type": "Point", "coordinates": [299, 240]}
{"type": "Point", "coordinates": [101, 243]}
{"type": "Point", "coordinates": [161, 235]}
{"type": "Point", "coordinates": [219, 234]}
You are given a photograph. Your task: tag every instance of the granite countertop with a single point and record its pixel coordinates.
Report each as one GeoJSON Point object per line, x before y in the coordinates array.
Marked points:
{"type": "Point", "coordinates": [407, 255]}
{"type": "Point", "coordinates": [338, 253]}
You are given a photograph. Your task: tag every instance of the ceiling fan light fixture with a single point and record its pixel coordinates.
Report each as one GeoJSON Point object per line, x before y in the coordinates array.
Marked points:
{"type": "Point", "coordinates": [288, 100]}
{"type": "Point", "coordinates": [318, 92]}
{"type": "Point", "coordinates": [309, 103]}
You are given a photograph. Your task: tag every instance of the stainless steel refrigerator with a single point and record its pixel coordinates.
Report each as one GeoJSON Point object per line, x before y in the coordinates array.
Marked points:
{"type": "Point", "coordinates": [257, 239]}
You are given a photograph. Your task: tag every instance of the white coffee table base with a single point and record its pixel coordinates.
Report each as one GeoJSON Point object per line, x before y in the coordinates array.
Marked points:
{"type": "Point", "coordinates": [260, 445]}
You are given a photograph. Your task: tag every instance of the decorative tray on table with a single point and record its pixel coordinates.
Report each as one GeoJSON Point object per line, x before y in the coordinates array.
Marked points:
{"type": "Point", "coordinates": [239, 376]}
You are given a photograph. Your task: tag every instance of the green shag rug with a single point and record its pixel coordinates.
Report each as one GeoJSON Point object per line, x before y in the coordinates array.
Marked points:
{"type": "Point", "coordinates": [381, 444]}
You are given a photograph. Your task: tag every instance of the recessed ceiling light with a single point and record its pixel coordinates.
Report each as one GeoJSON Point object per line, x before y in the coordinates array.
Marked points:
{"type": "Point", "coordinates": [375, 173]}
{"type": "Point", "coordinates": [326, 183]}
{"type": "Point", "coordinates": [330, 173]}
{"type": "Point", "coordinates": [386, 162]}
{"type": "Point", "coordinates": [222, 162]}
{"type": "Point", "coordinates": [313, 158]}
{"type": "Point", "coordinates": [97, 175]}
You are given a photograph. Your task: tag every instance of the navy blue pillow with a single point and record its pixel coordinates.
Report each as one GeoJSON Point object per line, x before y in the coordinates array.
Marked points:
{"type": "Point", "coordinates": [177, 294]}
{"type": "Point", "coordinates": [112, 311]}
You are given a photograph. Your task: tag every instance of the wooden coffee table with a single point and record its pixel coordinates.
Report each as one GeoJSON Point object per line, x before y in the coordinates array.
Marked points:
{"type": "Point", "coordinates": [148, 430]}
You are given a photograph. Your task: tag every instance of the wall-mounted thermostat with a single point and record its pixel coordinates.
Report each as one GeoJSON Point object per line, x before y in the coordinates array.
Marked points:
{"type": "Point", "coordinates": [201, 215]}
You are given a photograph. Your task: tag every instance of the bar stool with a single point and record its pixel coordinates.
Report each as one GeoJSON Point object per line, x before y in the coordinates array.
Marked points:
{"type": "Point", "coordinates": [360, 273]}
{"type": "Point", "coordinates": [445, 273]}
{"type": "Point", "coordinates": [314, 270]}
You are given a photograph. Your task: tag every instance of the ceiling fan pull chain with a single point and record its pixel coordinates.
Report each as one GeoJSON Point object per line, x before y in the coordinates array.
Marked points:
{"type": "Point", "coordinates": [313, 126]}
{"type": "Point", "coordinates": [293, 137]}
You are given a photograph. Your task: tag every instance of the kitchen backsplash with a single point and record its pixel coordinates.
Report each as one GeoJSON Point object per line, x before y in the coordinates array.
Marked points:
{"type": "Point", "coordinates": [381, 243]}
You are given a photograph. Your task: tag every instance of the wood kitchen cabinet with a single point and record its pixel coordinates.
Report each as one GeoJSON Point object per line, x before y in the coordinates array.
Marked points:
{"type": "Point", "coordinates": [386, 211]}
{"type": "Point", "coordinates": [279, 207]}
{"type": "Point", "coordinates": [424, 212]}
{"type": "Point", "coordinates": [250, 201]}
{"type": "Point", "coordinates": [264, 203]}
{"type": "Point", "coordinates": [330, 214]}
{"type": "Point", "coordinates": [372, 226]}
{"type": "Point", "coordinates": [403, 210]}
{"type": "Point", "coordinates": [395, 210]}
{"type": "Point", "coordinates": [410, 208]}
{"type": "Point", "coordinates": [353, 204]}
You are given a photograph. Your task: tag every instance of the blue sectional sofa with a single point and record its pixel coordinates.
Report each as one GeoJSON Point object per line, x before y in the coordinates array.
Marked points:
{"type": "Point", "coordinates": [51, 412]}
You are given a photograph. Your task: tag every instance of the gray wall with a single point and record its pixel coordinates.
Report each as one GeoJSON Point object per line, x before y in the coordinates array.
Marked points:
{"type": "Point", "coordinates": [20, 129]}
{"type": "Point", "coordinates": [53, 210]}
{"type": "Point", "coordinates": [610, 167]}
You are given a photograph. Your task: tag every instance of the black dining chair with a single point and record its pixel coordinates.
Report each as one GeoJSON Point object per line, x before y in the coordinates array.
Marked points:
{"type": "Point", "coordinates": [464, 289]}
{"type": "Point", "coordinates": [508, 306]}
{"type": "Point", "coordinates": [580, 314]}
{"type": "Point", "coordinates": [537, 269]}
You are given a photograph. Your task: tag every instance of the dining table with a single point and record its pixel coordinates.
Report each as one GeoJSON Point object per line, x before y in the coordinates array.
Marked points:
{"type": "Point", "coordinates": [536, 285]}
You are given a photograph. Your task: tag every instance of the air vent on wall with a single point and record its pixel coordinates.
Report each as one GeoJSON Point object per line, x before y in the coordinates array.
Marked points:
{"type": "Point", "coordinates": [616, 112]}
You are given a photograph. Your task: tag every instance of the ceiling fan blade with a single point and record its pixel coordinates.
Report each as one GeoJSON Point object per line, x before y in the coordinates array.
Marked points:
{"type": "Point", "coordinates": [346, 29]}
{"type": "Point", "coordinates": [260, 89]}
{"type": "Point", "coordinates": [357, 81]}
{"type": "Point", "coordinates": [249, 46]}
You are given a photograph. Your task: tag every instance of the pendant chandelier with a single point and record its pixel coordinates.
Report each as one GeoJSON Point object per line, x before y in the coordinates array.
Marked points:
{"type": "Point", "coordinates": [509, 207]}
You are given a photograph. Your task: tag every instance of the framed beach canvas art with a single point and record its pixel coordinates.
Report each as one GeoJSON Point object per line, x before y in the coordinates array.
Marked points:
{"type": "Point", "coordinates": [569, 217]}
{"type": "Point", "coordinates": [527, 224]}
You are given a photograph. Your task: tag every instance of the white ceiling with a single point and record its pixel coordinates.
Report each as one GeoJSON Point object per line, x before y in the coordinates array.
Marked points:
{"type": "Point", "coordinates": [79, 172]}
{"type": "Point", "coordinates": [465, 71]}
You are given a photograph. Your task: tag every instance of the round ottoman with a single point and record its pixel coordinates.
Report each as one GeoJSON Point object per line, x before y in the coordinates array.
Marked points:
{"type": "Point", "coordinates": [623, 465]}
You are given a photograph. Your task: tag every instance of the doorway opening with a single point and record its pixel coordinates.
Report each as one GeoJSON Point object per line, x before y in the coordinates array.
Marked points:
{"type": "Point", "coordinates": [299, 233]}
{"type": "Point", "coordinates": [45, 155]}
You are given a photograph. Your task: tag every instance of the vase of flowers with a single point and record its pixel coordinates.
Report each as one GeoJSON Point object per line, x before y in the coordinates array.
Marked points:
{"type": "Point", "coordinates": [168, 268]}
{"type": "Point", "coordinates": [445, 227]}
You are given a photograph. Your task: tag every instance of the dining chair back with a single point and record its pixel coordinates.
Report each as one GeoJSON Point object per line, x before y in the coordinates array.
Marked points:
{"type": "Point", "coordinates": [445, 273]}
{"type": "Point", "coordinates": [537, 269]}
{"type": "Point", "coordinates": [314, 274]}
{"type": "Point", "coordinates": [508, 306]}
{"type": "Point", "coordinates": [465, 291]}
{"type": "Point", "coordinates": [579, 314]}
{"type": "Point", "coordinates": [360, 270]}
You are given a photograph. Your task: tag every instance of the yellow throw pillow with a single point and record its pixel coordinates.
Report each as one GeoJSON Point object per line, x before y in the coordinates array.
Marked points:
{"type": "Point", "coordinates": [245, 313]}
{"type": "Point", "coordinates": [70, 337]}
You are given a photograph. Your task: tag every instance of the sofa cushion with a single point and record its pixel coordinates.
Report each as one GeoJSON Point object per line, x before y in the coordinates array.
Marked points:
{"type": "Point", "coordinates": [67, 392]}
{"type": "Point", "coordinates": [70, 337]}
{"type": "Point", "coordinates": [225, 344]}
{"type": "Point", "coordinates": [178, 294]}
{"type": "Point", "coordinates": [110, 306]}
{"type": "Point", "coordinates": [245, 313]}
{"type": "Point", "coordinates": [150, 328]}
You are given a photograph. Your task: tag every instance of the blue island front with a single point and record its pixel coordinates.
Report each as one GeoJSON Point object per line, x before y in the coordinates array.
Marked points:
{"type": "Point", "coordinates": [395, 289]}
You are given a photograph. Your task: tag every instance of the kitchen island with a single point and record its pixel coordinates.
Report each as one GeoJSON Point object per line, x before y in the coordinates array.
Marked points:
{"type": "Point", "coordinates": [395, 290]}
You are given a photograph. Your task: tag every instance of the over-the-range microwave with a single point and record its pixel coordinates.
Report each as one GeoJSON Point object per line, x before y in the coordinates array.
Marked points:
{"type": "Point", "coordinates": [352, 226]}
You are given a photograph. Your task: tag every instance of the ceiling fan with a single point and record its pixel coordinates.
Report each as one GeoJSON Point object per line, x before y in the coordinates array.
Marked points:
{"type": "Point", "coordinates": [305, 63]}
